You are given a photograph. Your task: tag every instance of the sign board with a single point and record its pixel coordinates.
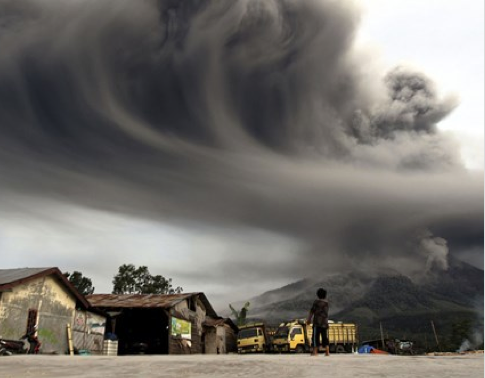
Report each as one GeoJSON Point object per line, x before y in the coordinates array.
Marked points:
{"type": "Point", "coordinates": [181, 328]}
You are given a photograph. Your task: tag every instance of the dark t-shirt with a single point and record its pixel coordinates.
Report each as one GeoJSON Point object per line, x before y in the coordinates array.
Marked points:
{"type": "Point", "coordinates": [320, 312]}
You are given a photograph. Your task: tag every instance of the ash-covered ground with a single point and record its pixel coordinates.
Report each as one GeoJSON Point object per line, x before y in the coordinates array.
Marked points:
{"type": "Point", "coordinates": [268, 365]}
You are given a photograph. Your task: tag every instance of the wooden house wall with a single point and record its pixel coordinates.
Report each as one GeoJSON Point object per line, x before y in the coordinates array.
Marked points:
{"type": "Point", "coordinates": [88, 331]}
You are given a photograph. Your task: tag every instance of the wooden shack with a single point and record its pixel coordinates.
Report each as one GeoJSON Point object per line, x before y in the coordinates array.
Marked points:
{"type": "Point", "coordinates": [220, 336]}
{"type": "Point", "coordinates": [156, 323]}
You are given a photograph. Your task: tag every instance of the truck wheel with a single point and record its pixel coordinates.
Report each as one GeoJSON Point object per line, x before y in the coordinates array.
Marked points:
{"type": "Point", "coordinates": [300, 349]}
{"type": "Point", "coordinates": [340, 349]}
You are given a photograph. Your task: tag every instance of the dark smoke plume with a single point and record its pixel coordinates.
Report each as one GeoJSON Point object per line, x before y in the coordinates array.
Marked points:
{"type": "Point", "coordinates": [253, 113]}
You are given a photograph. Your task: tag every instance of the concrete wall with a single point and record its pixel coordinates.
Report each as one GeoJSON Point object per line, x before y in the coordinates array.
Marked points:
{"type": "Point", "coordinates": [196, 313]}
{"type": "Point", "coordinates": [220, 340]}
{"type": "Point", "coordinates": [54, 304]}
{"type": "Point", "coordinates": [211, 340]}
{"type": "Point", "coordinates": [230, 339]}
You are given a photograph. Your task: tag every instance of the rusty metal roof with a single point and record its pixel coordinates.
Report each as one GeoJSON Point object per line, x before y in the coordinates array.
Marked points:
{"type": "Point", "coordinates": [211, 322]}
{"type": "Point", "coordinates": [136, 300]}
{"type": "Point", "coordinates": [103, 301]}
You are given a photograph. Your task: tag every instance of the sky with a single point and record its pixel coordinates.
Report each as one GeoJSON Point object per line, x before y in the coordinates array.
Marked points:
{"type": "Point", "coordinates": [445, 40]}
{"type": "Point", "coordinates": [237, 147]}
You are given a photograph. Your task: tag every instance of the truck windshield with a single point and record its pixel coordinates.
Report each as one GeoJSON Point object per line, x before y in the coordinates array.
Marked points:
{"type": "Point", "coordinates": [250, 332]}
{"type": "Point", "coordinates": [282, 332]}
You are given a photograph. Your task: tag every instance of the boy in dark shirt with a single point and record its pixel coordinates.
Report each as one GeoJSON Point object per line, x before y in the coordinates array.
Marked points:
{"type": "Point", "coordinates": [319, 313]}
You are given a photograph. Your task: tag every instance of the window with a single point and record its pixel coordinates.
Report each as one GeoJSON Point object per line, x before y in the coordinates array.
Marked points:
{"type": "Point", "coordinates": [192, 302]}
{"type": "Point", "coordinates": [246, 333]}
{"type": "Point", "coordinates": [31, 320]}
{"type": "Point", "coordinates": [282, 332]}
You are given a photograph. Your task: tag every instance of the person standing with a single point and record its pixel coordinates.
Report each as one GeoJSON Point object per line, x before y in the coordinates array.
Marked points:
{"type": "Point", "coordinates": [319, 314]}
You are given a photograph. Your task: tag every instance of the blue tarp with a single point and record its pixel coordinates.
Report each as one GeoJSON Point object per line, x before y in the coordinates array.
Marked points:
{"type": "Point", "coordinates": [365, 349]}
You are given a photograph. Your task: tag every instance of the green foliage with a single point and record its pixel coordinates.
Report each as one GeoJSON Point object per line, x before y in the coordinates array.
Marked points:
{"type": "Point", "coordinates": [465, 335]}
{"type": "Point", "coordinates": [459, 332]}
{"type": "Point", "coordinates": [83, 284]}
{"type": "Point", "coordinates": [241, 315]}
{"type": "Point", "coordinates": [133, 280]}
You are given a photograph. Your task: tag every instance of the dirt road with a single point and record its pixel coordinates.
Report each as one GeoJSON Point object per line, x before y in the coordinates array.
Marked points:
{"type": "Point", "coordinates": [254, 366]}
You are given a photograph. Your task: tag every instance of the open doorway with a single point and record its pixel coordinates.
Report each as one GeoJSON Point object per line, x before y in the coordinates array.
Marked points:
{"type": "Point", "coordinates": [142, 331]}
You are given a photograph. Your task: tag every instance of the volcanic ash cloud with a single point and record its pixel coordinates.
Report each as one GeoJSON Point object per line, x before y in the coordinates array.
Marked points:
{"type": "Point", "coordinates": [254, 113]}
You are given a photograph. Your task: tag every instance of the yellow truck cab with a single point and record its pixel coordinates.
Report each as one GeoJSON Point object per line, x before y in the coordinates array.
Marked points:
{"type": "Point", "coordinates": [296, 336]}
{"type": "Point", "coordinates": [252, 338]}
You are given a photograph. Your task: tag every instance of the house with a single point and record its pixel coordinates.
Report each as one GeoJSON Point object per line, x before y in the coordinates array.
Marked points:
{"type": "Point", "coordinates": [220, 336]}
{"type": "Point", "coordinates": [158, 323]}
{"type": "Point", "coordinates": [45, 297]}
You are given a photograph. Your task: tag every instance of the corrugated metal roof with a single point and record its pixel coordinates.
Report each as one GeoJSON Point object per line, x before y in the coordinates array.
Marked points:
{"type": "Point", "coordinates": [103, 301]}
{"type": "Point", "coordinates": [136, 300]}
{"type": "Point", "coordinates": [210, 322]}
{"type": "Point", "coordinates": [12, 275]}
{"type": "Point", "coordinates": [214, 322]}
{"type": "Point", "coordinates": [10, 278]}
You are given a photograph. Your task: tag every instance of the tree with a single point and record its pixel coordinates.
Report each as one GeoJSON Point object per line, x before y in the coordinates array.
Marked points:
{"type": "Point", "coordinates": [83, 284]}
{"type": "Point", "coordinates": [240, 315]}
{"type": "Point", "coordinates": [133, 280]}
{"type": "Point", "coordinates": [462, 336]}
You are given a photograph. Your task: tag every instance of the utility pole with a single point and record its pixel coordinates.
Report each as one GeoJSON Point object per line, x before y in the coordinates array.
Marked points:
{"type": "Point", "coordinates": [435, 336]}
{"type": "Point", "coordinates": [382, 336]}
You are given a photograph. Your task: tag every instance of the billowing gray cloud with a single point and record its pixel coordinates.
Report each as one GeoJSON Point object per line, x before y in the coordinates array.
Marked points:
{"type": "Point", "coordinates": [254, 113]}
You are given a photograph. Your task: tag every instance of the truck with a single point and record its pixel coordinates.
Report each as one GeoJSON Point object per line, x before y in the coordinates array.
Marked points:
{"type": "Point", "coordinates": [253, 337]}
{"type": "Point", "coordinates": [296, 336]}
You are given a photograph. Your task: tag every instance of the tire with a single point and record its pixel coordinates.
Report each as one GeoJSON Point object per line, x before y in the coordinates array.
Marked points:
{"type": "Point", "coordinates": [340, 349]}
{"type": "Point", "coordinates": [300, 349]}
{"type": "Point", "coordinates": [349, 348]}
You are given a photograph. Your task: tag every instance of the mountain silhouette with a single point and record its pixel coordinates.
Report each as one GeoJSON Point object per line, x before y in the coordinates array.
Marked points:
{"type": "Point", "coordinates": [390, 305]}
